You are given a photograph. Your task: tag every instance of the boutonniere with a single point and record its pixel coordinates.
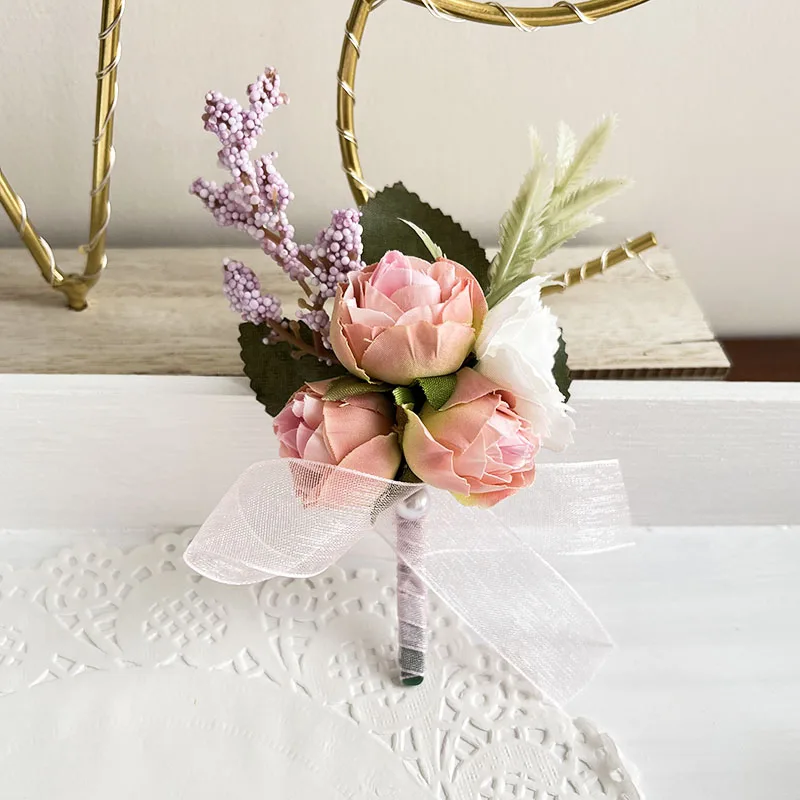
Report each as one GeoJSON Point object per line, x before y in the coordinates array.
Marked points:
{"type": "Point", "coordinates": [412, 363]}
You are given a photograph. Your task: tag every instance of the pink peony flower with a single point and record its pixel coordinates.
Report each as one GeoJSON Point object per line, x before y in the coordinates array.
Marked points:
{"type": "Point", "coordinates": [404, 318]}
{"type": "Point", "coordinates": [356, 433]}
{"type": "Point", "coordinates": [476, 446]}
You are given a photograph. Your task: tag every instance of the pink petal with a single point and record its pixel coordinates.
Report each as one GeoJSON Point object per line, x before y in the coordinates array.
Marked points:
{"type": "Point", "coordinates": [318, 388]}
{"type": "Point", "coordinates": [302, 436]}
{"type": "Point", "coordinates": [472, 461]}
{"type": "Point", "coordinates": [315, 449]}
{"type": "Point", "coordinates": [377, 402]}
{"type": "Point", "coordinates": [288, 445]}
{"type": "Point", "coordinates": [376, 300]}
{"type": "Point", "coordinates": [416, 296]}
{"type": "Point", "coordinates": [444, 273]}
{"type": "Point", "coordinates": [458, 427]}
{"type": "Point", "coordinates": [379, 456]}
{"type": "Point", "coordinates": [421, 314]}
{"type": "Point", "coordinates": [485, 499]}
{"type": "Point", "coordinates": [359, 338]}
{"type": "Point", "coordinates": [461, 273]}
{"type": "Point", "coordinates": [340, 343]}
{"type": "Point", "coordinates": [428, 459]}
{"type": "Point", "coordinates": [370, 318]}
{"type": "Point", "coordinates": [348, 426]}
{"type": "Point", "coordinates": [472, 385]}
{"type": "Point", "coordinates": [312, 411]}
{"type": "Point", "coordinates": [458, 308]}
{"type": "Point", "coordinates": [286, 420]}
{"type": "Point", "coordinates": [396, 271]}
{"type": "Point", "coordinates": [400, 354]}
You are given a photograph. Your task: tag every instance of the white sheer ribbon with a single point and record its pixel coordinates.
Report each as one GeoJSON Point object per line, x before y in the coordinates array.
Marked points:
{"type": "Point", "coordinates": [295, 518]}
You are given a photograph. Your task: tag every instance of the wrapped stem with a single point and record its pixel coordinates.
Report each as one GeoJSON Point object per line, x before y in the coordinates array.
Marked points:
{"type": "Point", "coordinates": [412, 594]}
{"type": "Point", "coordinates": [632, 248]}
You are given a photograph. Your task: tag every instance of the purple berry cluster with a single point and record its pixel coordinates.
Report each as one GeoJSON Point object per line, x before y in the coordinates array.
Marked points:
{"type": "Point", "coordinates": [243, 290]}
{"type": "Point", "coordinates": [256, 200]}
{"type": "Point", "coordinates": [336, 250]}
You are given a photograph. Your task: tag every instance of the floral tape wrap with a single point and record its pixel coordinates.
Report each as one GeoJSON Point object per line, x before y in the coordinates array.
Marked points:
{"type": "Point", "coordinates": [294, 518]}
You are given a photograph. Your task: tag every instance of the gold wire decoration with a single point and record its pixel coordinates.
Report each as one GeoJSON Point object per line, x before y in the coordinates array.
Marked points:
{"type": "Point", "coordinates": [490, 13]}
{"type": "Point", "coordinates": [633, 248]}
{"type": "Point", "coordinates": [76, 287]}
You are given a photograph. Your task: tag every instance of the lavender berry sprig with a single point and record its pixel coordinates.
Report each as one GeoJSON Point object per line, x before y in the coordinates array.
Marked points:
{"type": "Point", "coordinates": [255, 201]}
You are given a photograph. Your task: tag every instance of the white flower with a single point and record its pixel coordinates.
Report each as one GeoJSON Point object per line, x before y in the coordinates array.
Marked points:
{"type": "Point", "coordinates": [516, 349]}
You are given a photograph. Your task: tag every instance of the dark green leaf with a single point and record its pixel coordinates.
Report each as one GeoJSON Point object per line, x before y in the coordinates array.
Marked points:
{"type": "Point", "coordinates": [407, 476]}
{"type": "Point", "coordinates": [350, 386]}
{"type": "Point", "coordinates": [438, 390]}
{"type": "Point", "coordinates": [273, 372]}
{"type": "Point", "coordinates": [561, 371]}
{"type": "Point", "coordinates": [404, 396]}
{"type": "Point", "coordinates": [384, 230]}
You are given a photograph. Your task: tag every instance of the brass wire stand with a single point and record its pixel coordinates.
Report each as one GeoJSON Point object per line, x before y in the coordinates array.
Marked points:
{"type": "Point", "coordinates": [490, 13]}
{"type": "Point", "coordinates": [76, 287]}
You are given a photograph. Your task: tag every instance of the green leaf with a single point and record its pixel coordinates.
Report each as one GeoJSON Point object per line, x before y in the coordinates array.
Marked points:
{"type": "Point", "coordinates": [439, 389]}
{"type": "Point", "coordinates": [275, 375]}
{"type": "Point", "coordinates": [566, 145]}
{"type": "Point", "coordinates": [385, 221]}
{"type": "Point", "coordinates": [585, 197]}
{"type": "Point", "coordinates": [520, 224]}
{"type": "Point", "coordinates": [587, 155]}
{"type": "Point", "coordinates": [350, 386]}
{"type": "Point", "coordinates": [433, 248]}
{"type": "Point", "coordinates": [556, 235]}
{"type": "Point", "coordinates": [407, 476]}
{"type": "Point", "coordinates": [561, 371]}
{"type": "Point", "coordinates": [403, 396]}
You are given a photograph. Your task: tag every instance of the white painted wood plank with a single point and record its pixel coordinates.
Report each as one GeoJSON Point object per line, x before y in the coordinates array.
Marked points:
{"type": "Point", "coordinates": [139, 451]}
{"type": "Point", "coordinates": [703, 690]}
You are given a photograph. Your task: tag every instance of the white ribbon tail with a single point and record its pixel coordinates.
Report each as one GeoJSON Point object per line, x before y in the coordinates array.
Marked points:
{"type": "Point", "coordinates": [295, 518]}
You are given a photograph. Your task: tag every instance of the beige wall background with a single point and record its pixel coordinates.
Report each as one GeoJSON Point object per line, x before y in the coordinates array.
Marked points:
{"type": "Point", "coordinates": [706, 93]}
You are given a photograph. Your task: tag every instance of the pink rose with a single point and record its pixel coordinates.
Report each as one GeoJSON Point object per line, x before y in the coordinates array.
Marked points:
{"type": "Point", "coordinates": [404, 318]}
{"type": "Point", "coordinates": [476, 446]}
{"type": "Point", "coordinates": [356, 433]}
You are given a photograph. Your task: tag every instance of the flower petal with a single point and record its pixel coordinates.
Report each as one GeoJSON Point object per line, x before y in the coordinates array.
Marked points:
{"type": "Point", "coordinates": [378, 301]}
{"type": "Point", "coordinates": [394, 271]}
{"type": "Point", "coordinates": [316, 449]}
{"type": "Point", "coordinates": [416, 296]}
{"type": "Point", "coordinates": [348, 426]}
{"type": "Point", "coordinates": [470, 385]}
{"type": "Point", "coordinates": [442, 270]}
{"type": "Point", "coordinates": [457, 427]}
{"type": "Point", "coordinates": [403, 353]}
{"type": "Point", "coordinates": [380, 456]}
{"type": "Point", "coordinates": [523, 302]}
{"type": "Point", "coordinates": [339, 341]}
{"type": "Point", "coordinates": [429, 460]}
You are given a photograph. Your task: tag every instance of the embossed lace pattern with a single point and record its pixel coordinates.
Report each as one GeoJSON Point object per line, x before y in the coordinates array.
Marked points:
{"type": "Point", "coordinates": [472, 730]}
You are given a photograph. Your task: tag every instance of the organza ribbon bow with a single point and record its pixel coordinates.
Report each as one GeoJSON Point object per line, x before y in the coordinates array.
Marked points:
{"type": "Point", "coordinates": [295, 518]}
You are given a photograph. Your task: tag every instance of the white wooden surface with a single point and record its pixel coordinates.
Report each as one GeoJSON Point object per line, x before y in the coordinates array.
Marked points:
{"type": "Point", "coordinates": [161, 312]}
{"type": "Point", "coordinates": [146, 450]}
{"type": "Point", "coordinates": [704, 690]}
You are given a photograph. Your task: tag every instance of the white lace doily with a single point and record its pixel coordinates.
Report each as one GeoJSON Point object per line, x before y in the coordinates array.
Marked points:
{"type": "Point", "coordinates": [125, 675]}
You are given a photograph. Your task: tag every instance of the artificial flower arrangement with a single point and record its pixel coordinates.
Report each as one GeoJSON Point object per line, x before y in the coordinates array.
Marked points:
{"type": "Point", "coordinates": [412, 357]}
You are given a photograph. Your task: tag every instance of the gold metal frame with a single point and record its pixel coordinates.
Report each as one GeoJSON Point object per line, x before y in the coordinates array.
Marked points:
{"type": "Point", "coordinates": [490, 13]}
{"type": "Point", "coordinates": [76, 287]}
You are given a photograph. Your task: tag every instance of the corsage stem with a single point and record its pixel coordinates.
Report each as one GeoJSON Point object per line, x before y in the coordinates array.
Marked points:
{"type": "Point", "coordinates": [412, 594]}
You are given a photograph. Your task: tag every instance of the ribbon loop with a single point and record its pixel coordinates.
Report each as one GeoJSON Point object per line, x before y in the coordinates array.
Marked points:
{"type": "Point", "coordinates": [294, 518]}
